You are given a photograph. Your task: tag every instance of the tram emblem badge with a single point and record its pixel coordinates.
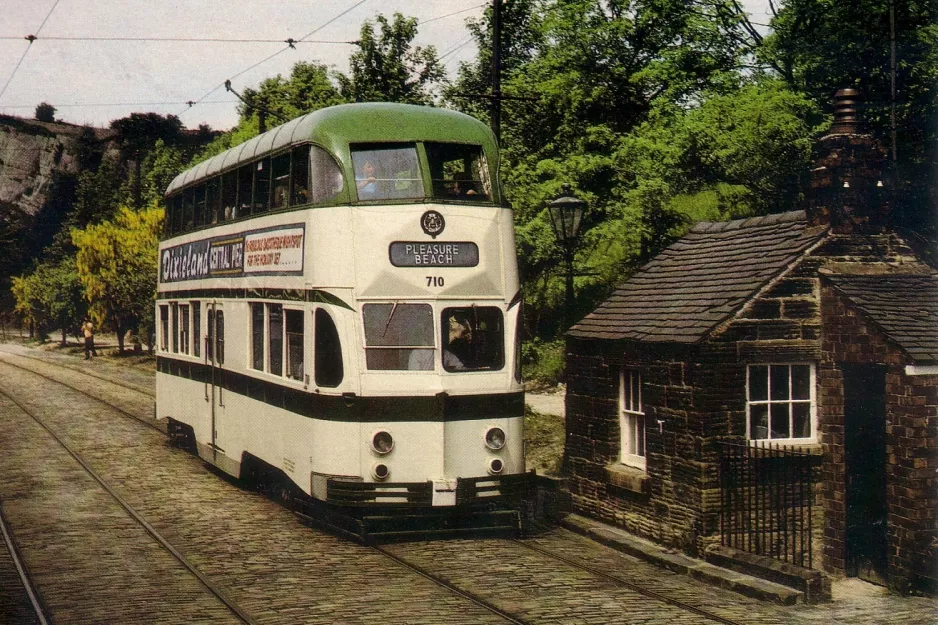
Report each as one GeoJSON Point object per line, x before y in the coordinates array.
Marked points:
{"type": "Point", "coordinates": [432, 223]}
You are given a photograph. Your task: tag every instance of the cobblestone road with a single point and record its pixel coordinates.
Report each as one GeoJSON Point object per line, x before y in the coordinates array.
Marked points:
{"type": "Point", "coordinates": [288, 573]}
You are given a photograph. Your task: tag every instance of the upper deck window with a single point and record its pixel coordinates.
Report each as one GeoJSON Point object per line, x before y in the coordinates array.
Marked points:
{"type": "Point", "coordinates": [387, 172]}
{"type": "Point", "coordinates": [327, 181]}
{"type": "Point", "coordinates": [459, 172]}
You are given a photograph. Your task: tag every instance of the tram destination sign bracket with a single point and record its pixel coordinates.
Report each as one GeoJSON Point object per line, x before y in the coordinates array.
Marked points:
{"type": "Point", "coordinates": [437, 254]}
{"type": "Point", "coordinates": [268, 251]}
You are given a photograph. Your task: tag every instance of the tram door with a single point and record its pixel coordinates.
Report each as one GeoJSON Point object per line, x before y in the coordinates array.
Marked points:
{"type": "Point", "coordinates": [215, 385]}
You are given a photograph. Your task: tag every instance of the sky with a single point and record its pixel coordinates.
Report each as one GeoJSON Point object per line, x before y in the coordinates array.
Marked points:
{"type": "Point", "coordinates": [96, 79]}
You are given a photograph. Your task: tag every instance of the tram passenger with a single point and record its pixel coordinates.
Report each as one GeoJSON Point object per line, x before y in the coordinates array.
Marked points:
{"type": "Point", "coordinates": [367, 184]}
{"type": "Point", "coordinates": [457, 351]}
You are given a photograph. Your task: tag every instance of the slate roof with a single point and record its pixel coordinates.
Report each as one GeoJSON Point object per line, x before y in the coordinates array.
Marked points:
{"type": "Point", "coordinates": [700, 280]}
{"type": "Point", "coordinates": [904, 306]}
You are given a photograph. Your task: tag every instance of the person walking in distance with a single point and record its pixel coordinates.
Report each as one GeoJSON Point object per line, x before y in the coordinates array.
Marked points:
{"type": "Point", "coordinates": [87, 328]}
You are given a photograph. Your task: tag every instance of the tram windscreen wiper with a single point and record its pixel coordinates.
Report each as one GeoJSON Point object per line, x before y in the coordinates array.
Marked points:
{"type": "Point", "coordinates": [390, 316]}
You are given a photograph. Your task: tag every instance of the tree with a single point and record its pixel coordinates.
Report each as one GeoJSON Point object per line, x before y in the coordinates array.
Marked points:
{"type": "Point", "coordinates": [308, 88]}
{"type": "Point", "coordinates": [819, 46]}
{"type": "Point", "coordinates": [45, 112]}
{"type": "Point", "coordinates": [117, 264]}
{"type": "Point", "coordinates": [386, 68]}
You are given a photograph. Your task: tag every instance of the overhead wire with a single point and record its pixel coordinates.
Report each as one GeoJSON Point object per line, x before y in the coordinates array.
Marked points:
{"type": "Point", "coordinates": [433, 19]}
{"type": "Point", "coordinates": [31, 39]}
{"type": "Point", "coordinates": [288, 41]}
{"type": "Point", "coordinates": [192, 103]}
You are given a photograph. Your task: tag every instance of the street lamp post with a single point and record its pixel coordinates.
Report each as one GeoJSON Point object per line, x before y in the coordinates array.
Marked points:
{"type": "Point", "coordinates": [566, 213]}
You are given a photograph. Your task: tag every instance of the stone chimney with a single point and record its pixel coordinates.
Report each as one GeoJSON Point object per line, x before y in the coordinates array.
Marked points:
{"type": "Point", "coordinates": [849, 190]}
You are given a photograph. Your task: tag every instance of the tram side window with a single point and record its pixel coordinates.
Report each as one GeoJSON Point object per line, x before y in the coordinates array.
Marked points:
{"type": "Point", "coordinates": [328, 351]}
{"type": "Point", "coordinates": [184, 328]}
{"type": "Point", "coordinates": [275, 339]}
{"type": "Point", "coordinates": [196, 328]}
{"type": "Point", "coordinates": [229, 197]}
{"type": "Point", "coordinates": [398, 337]}
{"type": "Point", "coordinates": [188, 201]}
{"type": "Point", "coordinates": [199, 210]}
{"type": "Point", "coordinates": [212, 198]}
{"type": "Point", "coordinates": [327, 181]}
{"type": "Point", "coordinates": [261, 186]}
{"type": "Point", "coordinates": [280, 187]}
{"type": "Point", "coordinates": [175, 313]}
{"type": "Point", "coordinates": [300, 177]}
{"type": "Point", "coordinates": [220, 336]}
{"type": "Point", "coordinates": [387, 172]}
{"type": "Point", "coordinates": [257, 336]}
{"type": "Point", "coordinates": [294, 332]}
{"type": "Point", "coordinates": [176, 214]}
{"type": "Point", "coordinates": [210, 336]}
{"type": "Point", "coordinates": [245, 189]}
{"type": "Point", "coordinates": [473, 339]}
{"type": "Point", "coordinates": [164, 328]}
{"type": "Point", "coordinates": [458, 171]}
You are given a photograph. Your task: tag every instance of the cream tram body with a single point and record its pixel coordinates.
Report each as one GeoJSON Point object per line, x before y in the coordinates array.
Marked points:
{"type": "Point", "coordinates": [339, 299]}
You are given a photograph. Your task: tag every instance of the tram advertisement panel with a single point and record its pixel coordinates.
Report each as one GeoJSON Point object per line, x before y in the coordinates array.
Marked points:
{"type": "Point", "coordinates": [270, 251]}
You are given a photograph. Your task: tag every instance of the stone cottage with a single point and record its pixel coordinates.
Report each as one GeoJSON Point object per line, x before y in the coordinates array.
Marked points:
{"type": "Point", "coordinates": [797, 345]}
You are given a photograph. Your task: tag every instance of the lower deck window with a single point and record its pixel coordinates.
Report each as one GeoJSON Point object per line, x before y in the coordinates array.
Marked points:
{"type": "Point", "coordinates": [164, 328]}
{"type": "Point", "coordinates": [294, 331]}
{"type": "Point", "coordinates": [473, 338]}
{"type": "Point", "coordinates": [398, 336]}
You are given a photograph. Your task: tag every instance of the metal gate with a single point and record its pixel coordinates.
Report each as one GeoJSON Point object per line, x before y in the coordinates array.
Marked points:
{"type": "Point", "coordinates": [766, 501]}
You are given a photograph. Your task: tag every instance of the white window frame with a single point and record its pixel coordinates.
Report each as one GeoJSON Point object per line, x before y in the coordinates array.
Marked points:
{"type": "Point", "coordinates": [633, 439]}
{"type": "Point", "coordinates": [184, 329]}
{"type": "Point", "coordinates": [789, 401]}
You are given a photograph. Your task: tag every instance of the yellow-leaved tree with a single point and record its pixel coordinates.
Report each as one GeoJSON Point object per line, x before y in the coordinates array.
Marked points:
{"type": "Point", "coordinates": [117, 263]}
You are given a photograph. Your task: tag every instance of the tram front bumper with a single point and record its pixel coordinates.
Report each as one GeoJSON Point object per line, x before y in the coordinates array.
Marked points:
{"type": "Point", "coordinates": [467, 492]}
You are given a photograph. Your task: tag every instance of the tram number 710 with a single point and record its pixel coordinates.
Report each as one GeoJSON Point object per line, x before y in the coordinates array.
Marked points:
{"type": "Point", "coordinates": [434, 280]}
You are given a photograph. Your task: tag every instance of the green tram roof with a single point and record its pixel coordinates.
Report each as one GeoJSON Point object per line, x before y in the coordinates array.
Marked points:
{"type": "Point", "coordinates": [336, 127]}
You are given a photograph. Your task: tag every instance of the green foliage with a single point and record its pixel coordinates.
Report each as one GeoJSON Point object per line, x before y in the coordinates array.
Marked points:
{"type": "Point", "coordinates": [117, 265]}
{"type": "Point", "coordinates": [387, 68]}
{"type": "Point", "coordinates": [51, 296]}
{"type": "Point", "coordinates": [542, 363]}
{"type": "Point", "coordinates": [246, 129]}
{"type": "Point", "coordinates": [819, 46]}
{"type": "Point", "coordinates": [160, 166]}
{"type": "Point", "coordinates": [45, 112]}
{"type": "Point", "coordinates": [309, 88]}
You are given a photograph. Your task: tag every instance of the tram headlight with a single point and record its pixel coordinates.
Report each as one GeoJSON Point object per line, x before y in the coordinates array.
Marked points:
{"type": "Point", "coordinates": [496, 466]}
{"type": "Point", "coordinates": [380, 472]}
{"type": "Point", "coordinates": [495, 438]}
{"type": "Point", "coordinates": [382, 442]}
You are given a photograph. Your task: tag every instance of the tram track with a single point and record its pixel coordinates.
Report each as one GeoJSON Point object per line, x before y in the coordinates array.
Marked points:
{"type": "Point", "coordinates": [83, 371]}
{"type": "Point", "coordinates": [438, 580]}
{"type": "Point", "coordinates": [642, 590]}
{"type": "Point", "coordinates": [156, 535]}
{"type": "Point", "coordinates": [21, 572]}
{"type": "Point", "coordinates": [149, 423]}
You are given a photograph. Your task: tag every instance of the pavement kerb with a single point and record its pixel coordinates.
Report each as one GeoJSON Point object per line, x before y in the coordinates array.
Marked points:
{"type": "Point", "coordinates": [648, 551]}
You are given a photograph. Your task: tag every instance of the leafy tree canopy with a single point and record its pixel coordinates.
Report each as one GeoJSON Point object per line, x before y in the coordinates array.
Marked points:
{"type": "Point", "coordinates": [45, 112]}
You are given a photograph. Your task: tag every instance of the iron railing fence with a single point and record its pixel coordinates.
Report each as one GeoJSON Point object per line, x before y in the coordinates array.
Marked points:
{"type": "Point", "coordinates": [766, 500]}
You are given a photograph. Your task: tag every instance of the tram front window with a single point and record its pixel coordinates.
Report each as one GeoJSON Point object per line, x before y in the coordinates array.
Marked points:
{"type": "Point", "coordinates": [473, 339]}
{"type": "Point", "coordinates": [459, 172]}
{"type": "Point", "coordinates": [387, 172]}
{"type": "Point", "coordinates": [398, 337]}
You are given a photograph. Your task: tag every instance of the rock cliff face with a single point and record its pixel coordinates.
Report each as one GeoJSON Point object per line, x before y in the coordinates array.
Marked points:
{"type": "Point", "coordinates": [32, 151]}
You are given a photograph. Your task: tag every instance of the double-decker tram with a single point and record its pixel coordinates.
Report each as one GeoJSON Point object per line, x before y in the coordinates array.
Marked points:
{"type": "Point", "coordinates": [338, 299]}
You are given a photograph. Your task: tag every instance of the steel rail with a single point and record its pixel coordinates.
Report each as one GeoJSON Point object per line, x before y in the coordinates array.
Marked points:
{"type": "Point", "coordinates": [21, 569]}
{"type": "Point", "coordinates": [472, 597]}
{"type": "Point", "coordinates": [651, 594]}
{"type": "Point", "coordinates": [130, 387]}
{"type": "Point", "coordinates": [125, 413]}
{"type": "Point", "coordinates": [152, 531]}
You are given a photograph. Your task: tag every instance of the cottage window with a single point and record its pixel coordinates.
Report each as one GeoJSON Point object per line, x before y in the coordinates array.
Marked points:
{"type": "Point", "coordinates": [632, 418]}
{"type": "Point", "coordinates": [781, 403]}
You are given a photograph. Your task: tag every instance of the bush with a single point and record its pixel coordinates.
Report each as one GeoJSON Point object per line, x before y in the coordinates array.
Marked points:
{"type": "Point", "coordinates": [542, 362]}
